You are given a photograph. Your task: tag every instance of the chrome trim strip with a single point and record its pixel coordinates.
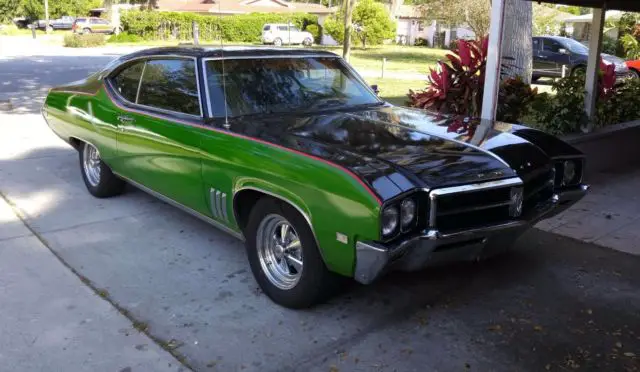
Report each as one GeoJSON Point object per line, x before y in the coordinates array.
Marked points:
{"type": "Point", "coordinates": [206, 87]}
{"type": "Point", "coordinates": [144, 68]}
{"type": "Point", "coordinates": [271, 57]}
{"type": "Point", "coordinates": [223, 206]}
{"type": "Point", "coordinates": [213, 202]}
{"type": "Point", "coordinates": [515, 181]}
{"type": "Point", "coordinates": [184, 208]}
{"type": "Point", "coordinates": [218, 209]}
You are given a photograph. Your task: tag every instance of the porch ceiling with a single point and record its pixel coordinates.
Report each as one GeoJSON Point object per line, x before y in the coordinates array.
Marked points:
{"type": "Point", "coordinates": [626, 5]}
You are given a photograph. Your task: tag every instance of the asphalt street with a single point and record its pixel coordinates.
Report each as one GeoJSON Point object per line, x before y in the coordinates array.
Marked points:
{"type": "Point", "coordinates": [552, 303]}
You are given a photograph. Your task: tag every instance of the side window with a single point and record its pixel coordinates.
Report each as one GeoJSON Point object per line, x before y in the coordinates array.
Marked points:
{"type": "Point", "coordinates": [94, 21]}
{"type": "Point", "coordinates": [552, 46]}
{"type": "Point", "coordinates": [294, 29]}
{"type": "Point", "coordinates": [536, 44]}
{"type": "Point", "coordinates": [103, 22]}
{"type": "Point", "coordinates": [127, 80]}
{"type": "Point", "coordinates": [266, 28]}
{"type": "Point", "coordinates": [170, 84]}
{"type": "Point", "coordinates": [282, 28]}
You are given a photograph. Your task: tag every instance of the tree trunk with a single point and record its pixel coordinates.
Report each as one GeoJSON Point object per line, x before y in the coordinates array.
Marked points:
{"type": "Point", "coordinates": [517, 48]}
{"type": "Point", "coordinates": [348, 16]}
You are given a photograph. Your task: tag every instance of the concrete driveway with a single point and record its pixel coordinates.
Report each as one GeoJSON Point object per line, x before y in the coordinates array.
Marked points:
{"type": "Point", "coordinates": [550, 304]}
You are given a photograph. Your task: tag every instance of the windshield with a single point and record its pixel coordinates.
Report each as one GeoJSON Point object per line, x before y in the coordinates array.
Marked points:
{"type": "Point", "coordinates": [276, 85]}
{"type": "Point", "coordinates": [575, 46]}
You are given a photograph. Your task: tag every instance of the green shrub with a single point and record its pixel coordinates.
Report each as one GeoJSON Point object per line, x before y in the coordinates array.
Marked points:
{"type": "Point", "coordinates": [372, 24]}
{"type": "Point", "coordinates": [236, 28]}
{"type": "Point", "coordinates": [124, 37]}
{"type": "Point", "coordinates": [84, 41]}
{"type": "Point", "coordinates": [422, 42]}
{"type": "Point", "coordinates": [514, 98]}
{"type": "Point", "coordinates": [314, 30]}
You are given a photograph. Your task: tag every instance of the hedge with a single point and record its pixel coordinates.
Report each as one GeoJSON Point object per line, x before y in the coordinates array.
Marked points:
{"type": "Point", "coordinates": [153, 25]}
{"type": "Point", "coordinates": [84, 41]}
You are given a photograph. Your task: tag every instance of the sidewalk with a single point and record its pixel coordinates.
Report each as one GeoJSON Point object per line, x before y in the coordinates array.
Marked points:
{"type": "Point", "coordinates": [51, 321]}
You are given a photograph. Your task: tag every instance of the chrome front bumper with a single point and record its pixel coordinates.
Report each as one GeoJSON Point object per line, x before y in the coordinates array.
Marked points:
{"type": "Point", "coordinates": [432, 247]}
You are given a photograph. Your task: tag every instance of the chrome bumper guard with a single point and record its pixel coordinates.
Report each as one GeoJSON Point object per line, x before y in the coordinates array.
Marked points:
{"type": "Point", "coordinates": [432, 247]}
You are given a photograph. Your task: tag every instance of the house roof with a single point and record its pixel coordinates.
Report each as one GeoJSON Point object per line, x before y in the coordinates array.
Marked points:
{"type": "Point", "coordinates": [241, 6]}
{"type": "Point", "coordinates": [587, 18]}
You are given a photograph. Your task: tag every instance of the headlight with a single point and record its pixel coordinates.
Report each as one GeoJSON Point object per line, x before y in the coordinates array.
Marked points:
{"type": "Point", "coordinates": [390, 218]}
{"type": "Point", "coordinates": [407, 212]}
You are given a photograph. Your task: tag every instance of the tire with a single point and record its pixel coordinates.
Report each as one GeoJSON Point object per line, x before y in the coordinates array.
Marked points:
{"type": "Point", "coordinates": [97, 176]}
{"type": "Point", "coordinates": [301, 288]}
{"type": "Point", "coordinates": [634, 73]}
{"type": "Point", "coordinates": [579, 71]}
{"type": "Point", "coordinates": [86, 30]}
{"type": "Point", "coordinates": [277, 41]}
{"type": "Point", "coordinates": [535, 78]}
{"type": "Point", "coordinates": [307, 42]}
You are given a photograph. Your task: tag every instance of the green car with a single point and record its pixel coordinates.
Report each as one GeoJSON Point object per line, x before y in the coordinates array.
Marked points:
{"type": "Point", "coordinates": [290, 150]}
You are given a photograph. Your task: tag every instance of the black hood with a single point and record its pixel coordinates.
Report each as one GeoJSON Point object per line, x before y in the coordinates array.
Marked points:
{"type": "Point", "coordinates": [394, 149]}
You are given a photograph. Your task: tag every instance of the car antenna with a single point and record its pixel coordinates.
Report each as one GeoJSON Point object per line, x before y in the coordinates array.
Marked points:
{"type": "Point", "coordinates": [224, 76]}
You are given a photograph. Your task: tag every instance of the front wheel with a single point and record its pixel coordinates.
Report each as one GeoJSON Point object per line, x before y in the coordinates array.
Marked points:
{"type": "Point", "coordinates": [635, 73]}
{"type": "Point", "coordinates": [284, 256]}
{"type": "Point", "coordinates": [579, 71]}
{"type": "Point", "coordinates": [97, 176]}
{"type": "Point", "coordinates": [277, 42]}
{"type": "Point", "coordinates": [307, 42]}
{"type": "Point", "coordinates": [86, 30]}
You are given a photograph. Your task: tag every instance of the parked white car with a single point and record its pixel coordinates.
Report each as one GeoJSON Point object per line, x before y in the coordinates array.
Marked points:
{"type": "Point", "coordinates": [281, 33]}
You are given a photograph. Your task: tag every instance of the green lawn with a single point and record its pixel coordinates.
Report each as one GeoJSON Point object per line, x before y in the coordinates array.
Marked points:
{"type": "Point", "coordinates": [399, 58]}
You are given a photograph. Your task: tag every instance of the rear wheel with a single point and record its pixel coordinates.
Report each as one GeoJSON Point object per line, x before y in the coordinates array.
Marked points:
{"type": "Point", "coordinates": [97, 176]}
{"type": "Point", "coordinates": [635, 73]}
{"type": "Point", "coordinates": [277, 41]}
{"type": "Point", "coordinates": [86, 30]}
{"type": "Point", "coordinates": [307, 42]}
{"type": "Point", "coordinates": [579, 71]}
{"type": "Point", "coordinates": [284, 256]}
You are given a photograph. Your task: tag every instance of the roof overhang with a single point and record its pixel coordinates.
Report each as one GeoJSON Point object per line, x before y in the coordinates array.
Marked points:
{"type": "Point", "coordinates": [626, 5]}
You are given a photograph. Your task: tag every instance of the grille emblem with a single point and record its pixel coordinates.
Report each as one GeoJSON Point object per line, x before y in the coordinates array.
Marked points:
{"type": "Point", "coordinates": [517, 197]}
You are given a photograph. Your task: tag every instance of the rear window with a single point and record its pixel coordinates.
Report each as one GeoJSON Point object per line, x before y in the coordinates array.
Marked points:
{"type": "Point", "coordinates": [266, 28]}
{"type": "Point", "coordinates": [171, 85]}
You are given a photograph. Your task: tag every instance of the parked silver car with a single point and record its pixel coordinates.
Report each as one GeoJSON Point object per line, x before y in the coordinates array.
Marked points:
{"type": "Point", "coordinates": [281, 33]}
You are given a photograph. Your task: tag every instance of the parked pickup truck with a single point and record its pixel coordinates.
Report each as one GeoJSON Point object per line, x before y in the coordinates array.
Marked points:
{"type": "Point", "coordinates": [63, 23]}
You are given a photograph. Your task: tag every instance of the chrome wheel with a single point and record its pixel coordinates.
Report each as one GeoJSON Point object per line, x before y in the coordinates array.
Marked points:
{"type": "Point", "coordinates": [279, 251]}
{"type": "Point", "coordinates": [91, 164]}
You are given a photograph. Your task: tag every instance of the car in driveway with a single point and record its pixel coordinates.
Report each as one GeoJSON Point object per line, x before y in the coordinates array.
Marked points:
{"type": "Point", "coordinates": [634, 68]}
{"type": "Point", "coordinates": [291, 151]}
{"type": "Point", "coordinates": [88, 25]}
{"type": "Point", "coordinates": [282, 33]}
{"type": "Point", "coordinates": [551, 53]}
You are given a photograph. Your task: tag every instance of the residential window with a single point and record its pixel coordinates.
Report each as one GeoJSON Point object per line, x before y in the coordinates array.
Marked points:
{"type": "Point", "coordinates": [170, 84]}
{"type": "Point", "coordinates": [420, 26]}
{"type": "Point", "coordinates": [127, 81]}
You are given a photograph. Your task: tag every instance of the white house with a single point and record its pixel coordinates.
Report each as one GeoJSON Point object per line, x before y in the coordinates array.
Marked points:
{"type": "Point", "coordinates": [412, 25]}
{"type": "Point", "coordinates": [578, 27]}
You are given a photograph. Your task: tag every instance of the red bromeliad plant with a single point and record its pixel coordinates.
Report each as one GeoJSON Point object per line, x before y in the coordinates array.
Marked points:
{"type": "Point", "coordinates": [456, 87]}
{"type": "Point", "coordinates": [607, 80]}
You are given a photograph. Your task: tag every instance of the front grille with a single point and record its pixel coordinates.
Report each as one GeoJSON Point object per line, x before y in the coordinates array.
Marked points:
{"type": "Point", "coordinates": [490, 203]}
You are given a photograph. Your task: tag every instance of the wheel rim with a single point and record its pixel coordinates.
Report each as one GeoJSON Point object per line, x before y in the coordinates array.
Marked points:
{"type": "Point", "coordinates": [278, 42]}
{"type": "Point", "coordinates": [279, 251]}
{"type": "Point", "coordinates": [91, 164]}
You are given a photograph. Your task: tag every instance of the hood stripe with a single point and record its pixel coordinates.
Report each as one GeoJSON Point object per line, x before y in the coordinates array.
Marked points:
{"type": "Point", "coordinates": [232, 134]}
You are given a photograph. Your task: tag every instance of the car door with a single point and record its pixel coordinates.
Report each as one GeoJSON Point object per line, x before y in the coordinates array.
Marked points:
{"type": "Point", "coordinates": [554, 59]}
{"type": "Point", "coordinates": [159, 124]}
{"type": "Point", "coordinates": [296, 35]}
{"type": "Point", "coordinates": [283, 33]}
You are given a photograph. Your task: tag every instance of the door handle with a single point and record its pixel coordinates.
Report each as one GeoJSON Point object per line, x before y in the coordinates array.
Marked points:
{"type": "Point", "coordinates": [125, 119]}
